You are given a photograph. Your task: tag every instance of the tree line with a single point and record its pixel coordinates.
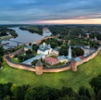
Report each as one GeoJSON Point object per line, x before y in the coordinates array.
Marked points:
{"type": "Point", "coordinates": [33, 29]}
{"type": "Point", "coordinates": [3, 32]}
{"type": "Point", "coordinates": [1, 55]}
{"type": "Point", "coordinates": [10, 91]}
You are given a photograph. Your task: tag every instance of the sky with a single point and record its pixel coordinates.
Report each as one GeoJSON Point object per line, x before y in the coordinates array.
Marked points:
{"type": "Point", "coordinates": [50, 11]}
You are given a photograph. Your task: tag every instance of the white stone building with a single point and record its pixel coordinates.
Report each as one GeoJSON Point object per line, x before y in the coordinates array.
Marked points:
{"type": "Point", "coordinates": [44, 49]}
{"type": "Point", "coordinates": [27, 47]}
{"type": "Point", "coordinates": [62, 59]}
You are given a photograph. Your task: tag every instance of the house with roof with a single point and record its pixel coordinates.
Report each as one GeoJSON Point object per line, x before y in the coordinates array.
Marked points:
{"type": "Point", "coordinates": [51, 61]}
{"type": "Point", "coordinates": [62, 59]}
{"type": "Point", "coordinates": [87, 50]}
{"type": "Point", "coordinates": [27, 47]}
{"type": "Point", "coordinates": [56, 52]}
{"type": "Point", "coordinates": [79, 58]}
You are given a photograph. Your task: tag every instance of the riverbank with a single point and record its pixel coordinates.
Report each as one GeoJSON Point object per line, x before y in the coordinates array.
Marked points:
{"type": "Point", "coordinates": [24, 37]}
{"type": "Point", "coordinates": [6, 37]}
{"type": "Point", "coordinates": [32, 29]}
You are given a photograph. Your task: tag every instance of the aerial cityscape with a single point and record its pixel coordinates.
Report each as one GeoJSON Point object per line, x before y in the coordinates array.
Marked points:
{"type": "Point", "coordinates": [50, 50]}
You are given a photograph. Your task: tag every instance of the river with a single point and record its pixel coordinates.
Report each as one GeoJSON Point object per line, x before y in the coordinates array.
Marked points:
{"type": "Point", "coordinates": [24, 37]}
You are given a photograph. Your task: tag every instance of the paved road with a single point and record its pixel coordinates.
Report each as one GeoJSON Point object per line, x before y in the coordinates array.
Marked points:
{"type": "Point", "coordinates": [33, 58]}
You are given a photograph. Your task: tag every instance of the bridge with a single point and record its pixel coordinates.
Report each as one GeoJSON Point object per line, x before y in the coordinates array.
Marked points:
{"type": "Point", "coordinates": [22, 43]}
{"type": "Point", "coordinates": [17, 42]}
{"type": "Point", "coordinates": [4, 44]}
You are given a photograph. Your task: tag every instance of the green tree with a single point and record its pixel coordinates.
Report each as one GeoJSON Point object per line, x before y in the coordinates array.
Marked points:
{"type": "Point", "coordinates": [1, 54]}
{"type": "Point", "coordinates": [5, 90]}
{"type": "Point", "coordinates": [6, 98]}
{"type": "Point", "coordinates": [99, 95]}
{"type": "Point", "coordinates": [39, 93]}
{"type": "Point", "coordinates": [67, 91]}
{"type": "Point", "coordinates": [34, 62]}
{"type": "Point", "coordinates": [84, 92]}
{"type": "Point", "coordinates": [30, 95]}
{"type": "Point", "coordinates": [28, 52]}
{"type": "Point", "coordinates": [63, 51]}
{"type": "Point", "coordinates": [35, 47]}
{"type": "Point", "coordinates": [77, 52]}
{"type": "Point", "coordinates": [30, 44]}
{"type": "Point", "coordinates": [96, 83]}
{"type": "Point", "coordinates": [67, 98]}
{"type": "Point", "coordinates": [19, 92]}
{"type": "Point", "coordinates": [83, 98]}
{"type": "Point", "coordinates": [53, 44]}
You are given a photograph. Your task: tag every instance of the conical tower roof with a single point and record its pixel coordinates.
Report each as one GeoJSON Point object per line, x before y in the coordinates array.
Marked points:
{"type": "Point", "coordinates": [39, 63]}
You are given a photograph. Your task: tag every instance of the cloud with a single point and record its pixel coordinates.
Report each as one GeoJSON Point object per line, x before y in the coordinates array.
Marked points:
{"type": "Point", "coordinates": [44, 10]}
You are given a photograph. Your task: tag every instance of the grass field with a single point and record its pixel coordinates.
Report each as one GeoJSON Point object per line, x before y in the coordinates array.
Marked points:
{"type": "Point", "coordinates": [5, 37]}
{"type": "Point", "coordinates": [68, 78]}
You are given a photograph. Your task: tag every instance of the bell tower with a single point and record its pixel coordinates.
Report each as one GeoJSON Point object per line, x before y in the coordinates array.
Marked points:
{"type": "Point", "coordinates": [70, 53]}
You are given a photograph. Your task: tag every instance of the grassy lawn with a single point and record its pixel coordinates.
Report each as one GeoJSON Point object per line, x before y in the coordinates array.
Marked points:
{"type": "Point", "coordinates": [68, 78]}
{"type": "Point", "coordinates": [15, 60]}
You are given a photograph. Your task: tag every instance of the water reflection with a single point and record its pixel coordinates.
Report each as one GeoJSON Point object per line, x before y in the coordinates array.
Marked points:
{"type": "Point", "coordinates": [24, 37]}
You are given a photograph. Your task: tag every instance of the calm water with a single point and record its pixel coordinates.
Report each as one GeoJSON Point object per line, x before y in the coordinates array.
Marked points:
{"type": "Point", "coordinates": [24, 37]}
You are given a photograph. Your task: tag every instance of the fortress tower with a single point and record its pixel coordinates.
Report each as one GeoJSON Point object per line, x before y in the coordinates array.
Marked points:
{"type": "Point", "coordinates": [39, 67]}
{"type": "Point", "coordinates": [73, 65]}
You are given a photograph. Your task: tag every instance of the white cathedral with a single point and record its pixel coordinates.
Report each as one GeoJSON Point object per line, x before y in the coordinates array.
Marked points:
{"type": "Point", "coordinates": [44, 49]}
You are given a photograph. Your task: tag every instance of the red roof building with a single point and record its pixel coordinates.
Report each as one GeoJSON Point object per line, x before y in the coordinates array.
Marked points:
{"type": "Point", "coordinates": [51, 61]}
{"type": "Point", "coordinates": [81, 57]}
